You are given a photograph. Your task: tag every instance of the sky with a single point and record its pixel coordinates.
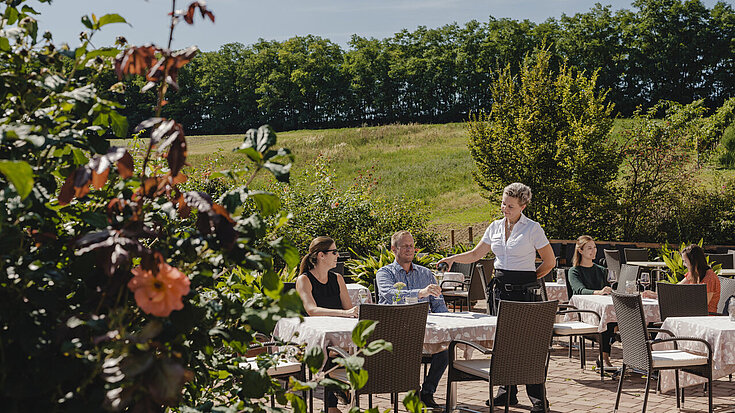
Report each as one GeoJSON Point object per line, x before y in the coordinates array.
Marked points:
{"type": "Point", "coordinates": [246, 21]}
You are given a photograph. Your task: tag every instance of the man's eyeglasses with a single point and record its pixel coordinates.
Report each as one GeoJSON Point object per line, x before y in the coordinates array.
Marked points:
{"type": "Point", "coordinates": [334, 252]}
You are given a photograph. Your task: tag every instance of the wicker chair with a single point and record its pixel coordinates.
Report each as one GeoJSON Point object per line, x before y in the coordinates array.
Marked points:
{"type": "Point", "coordinates": [638, 352]}
{"type": "Point", "coordinates": [528, 324]}
{"type": "Point", "coordinates": [681, 300]}
{"type": "Point", "coordinates": [627, 273]}
{"type": "Point", "coordinates": [470, 292]}
{"type": "Point", "coordinates": [726, 260]}
{"type": "Point", "coordinates": [280, 369]}
{"type": "Point", "coordinates": [398, 370]}
{"type": "Point", "coordinates": [612, 260]}
{"type": "Point", "coordinates": [727, 288]}
{"type": "Point", "coordinates": [635, 254]}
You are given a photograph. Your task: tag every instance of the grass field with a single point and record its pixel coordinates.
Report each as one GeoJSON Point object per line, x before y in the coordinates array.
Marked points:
{"type": "Point", "coordinates": [426, 162]}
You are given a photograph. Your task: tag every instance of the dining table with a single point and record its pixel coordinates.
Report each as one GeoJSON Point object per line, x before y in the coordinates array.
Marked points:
{"type": "Point", "coordinates": [557, 291]}
{"type": "Point", "coordinates": [441, 329]}
{"type": "Point", "coordinates": [603, 305]}
{"type": "Point", "coordinates": [727, 272]}
{"type": "Point", "coordinates": [718, 331]}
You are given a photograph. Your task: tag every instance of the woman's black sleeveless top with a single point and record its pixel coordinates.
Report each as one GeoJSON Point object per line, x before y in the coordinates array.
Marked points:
{"type": "Point", "coordinates": [326, 295]}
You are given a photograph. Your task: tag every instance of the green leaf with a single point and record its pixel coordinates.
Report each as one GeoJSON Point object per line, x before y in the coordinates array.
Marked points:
{"type": "Point", "coordinates": [298, 385]}
{"type": "Point", "coordinates": [377, 346]}
{"type": "Point", "coordinates": [272, 284]}
{"type": "Point", "coordinates": [11, 14]}
{"type": "Point", "coordinates": [4, 44]}
{"type": "Point", "coordinates": [94, 219]}
{"type": "Point", "coordinates": [20, 174]}
{"type": "Point", "coordinates": [110, 18]}
{"type": "Point", "coordinates": [257, 381]}
{"type": "Point", "coordinates": [297, 403]}
{"type": "Point", "coordinates": [333, 384]}
{"type": "Point", "coordinates": [358, 378]}
{"type": "Point", "coordinates": [87, 22]}
{"type": "Point", "coordinates": [80, 158]}
{"type": "Point", "coordinates": [351, 363]}
{"type": "Point", "coordinates": [362, 330]}
{"type": "Point", "coordinates": [251, 153]}
{"type": "Point", "coordinates": [281, 172]}
{"type": "Point", "coordinates": [286, 250]}
{"type": "Point", "coordinates": [266, 202]}
{"type": "Point", "coordinates": [28, 10]}
{"type": "Point", "coordinates": [413, 403]}
{"type": "Point", "coordinates": [261, 139]}
{"type": "Point", "coordinates": [314, 358]}
{"type": "Point", "coordinates": [119, 124]}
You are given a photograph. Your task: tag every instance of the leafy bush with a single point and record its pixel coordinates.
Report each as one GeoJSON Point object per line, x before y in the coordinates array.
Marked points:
{"type": "Point", "coordinates": [118, 289]}
{"type": "Point", "coordinates": [364, 268]}
{"type": "Point", "coordinates": [675, 264]}
{"type": "Point", "coordinates": [356, 218]}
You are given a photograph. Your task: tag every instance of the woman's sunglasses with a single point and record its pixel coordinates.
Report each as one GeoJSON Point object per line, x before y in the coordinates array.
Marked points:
{"type": "Point", "coordinates": [334, 252]}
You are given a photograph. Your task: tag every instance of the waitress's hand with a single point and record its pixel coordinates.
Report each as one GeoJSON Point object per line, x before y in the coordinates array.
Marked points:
{"type": "Point", "coordinates": [430, 290]}
{"type": "Point", "coordinates": [352, 312]}
{"type": "Point", "coordinates": [448, 260]}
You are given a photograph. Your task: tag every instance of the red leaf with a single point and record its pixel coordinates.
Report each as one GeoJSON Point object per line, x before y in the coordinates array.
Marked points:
{"type": "Point", "coordinates": [99, 179]}
{"type": "Point", "coordinates": [135, 60]}
{"type": "Point", "coordinates": [67, 190]}
{"type": "Point", "coordinates": [125, 166]}
{"type": "Point", "coordinates": [177, 155]}
{"type": "Point", "coordinates": [189, 16]}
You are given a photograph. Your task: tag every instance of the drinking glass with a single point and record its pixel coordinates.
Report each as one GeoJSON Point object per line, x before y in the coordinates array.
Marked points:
{"type": "Point", "coordinates": [630, 287]}
{"type": "Point", "coordinates": [611, 276]}
{"type": "Point", "coordinates": [412, 299]}
{"type": "Point", "coordinates": [645, 280]}
{"type": "Point", "coordinates": [363, 296]}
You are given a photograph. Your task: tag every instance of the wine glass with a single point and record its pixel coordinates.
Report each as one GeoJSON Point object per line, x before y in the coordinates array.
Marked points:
{"type": "Point", "coordinates": [611, 276]}
{"type": "Point", "coordinates": [645, 280]}
{"type": "Point", "coordinates": [363, 296]}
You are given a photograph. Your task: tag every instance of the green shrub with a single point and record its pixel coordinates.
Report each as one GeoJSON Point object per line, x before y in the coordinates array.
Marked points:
{"type": "Point", "coordinates": [675, 264]}
{"type": "Point", "coordinates": [356, 217]}
{"type": "Point", "coordinates": [364, 268]}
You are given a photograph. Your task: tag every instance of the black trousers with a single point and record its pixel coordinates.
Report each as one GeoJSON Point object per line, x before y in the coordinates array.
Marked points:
{"type": "Point", "coordinates": [516, 291]}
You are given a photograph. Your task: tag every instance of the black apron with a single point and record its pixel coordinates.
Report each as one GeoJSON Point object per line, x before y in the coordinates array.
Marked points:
{"type": "Point", "coordinates": [512, 285]}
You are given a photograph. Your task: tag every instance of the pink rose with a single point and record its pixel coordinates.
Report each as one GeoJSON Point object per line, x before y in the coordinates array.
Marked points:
{"type": "Point", "coordinates": [161, 293]}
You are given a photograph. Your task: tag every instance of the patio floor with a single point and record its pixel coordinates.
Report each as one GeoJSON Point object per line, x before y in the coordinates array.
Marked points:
{"type": "Point", "coordinates": [571, 390]}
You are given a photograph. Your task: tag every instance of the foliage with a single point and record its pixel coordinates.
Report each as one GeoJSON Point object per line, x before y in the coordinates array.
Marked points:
{"type": "Point", "coordinates": [703, 134]}
{"type": "Point", "coordinates": [675, 264]}
{"type": "Point", "coordinates": [550, 131]}
{"type": "Point", "coordinates": [364, 268]}
{"type": "Point", "coordinates": [74, 337]}
{"type": "Point", "coordinates": [354, 217]}
{"type": "Point", "coordinates": [675, 50]}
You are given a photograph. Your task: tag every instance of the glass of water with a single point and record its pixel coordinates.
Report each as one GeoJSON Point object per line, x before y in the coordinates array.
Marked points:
{"type": "Point", "coordinates": [363, 295]}
{"type": "Point", "coordinates": [645, 280]}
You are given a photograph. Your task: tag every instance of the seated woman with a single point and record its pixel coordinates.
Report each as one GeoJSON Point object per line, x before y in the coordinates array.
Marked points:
{"type": "Point", "coordinates": [586, 278]}
{"type": "Point", "coordinates": [324, 292]}
{"type": "Point", "coordinates": [698, 273]}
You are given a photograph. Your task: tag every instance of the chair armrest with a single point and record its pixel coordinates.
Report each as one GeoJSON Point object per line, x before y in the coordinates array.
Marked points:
{"type": "Point", "coordinates": [579, 312]}
{"type": "Point", "coordinates": [339, 351]}
{"type": "Point", "coordinates": [478, 347]}
{"type": "Point", "coordinates": [675, 339]}
{"type": "Point", "coordinates": [566, 306]}
{"type": "Point", "coordinates": [459, 283]}
{"type": "Point", "coordinates": [661, 330]}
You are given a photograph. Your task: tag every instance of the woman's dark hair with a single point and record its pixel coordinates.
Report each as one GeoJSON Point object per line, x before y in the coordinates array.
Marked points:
{"type": "Point", "coordinates": [695, 255]}
{"type": "Point", "coordinates": [318, 244]}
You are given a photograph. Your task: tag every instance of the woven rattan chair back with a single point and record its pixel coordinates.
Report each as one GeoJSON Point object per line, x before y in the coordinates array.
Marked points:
{"type": "Point", "coordinates": [522, 341]}
{"type": "Point", "coordinates": [726, 260]}
{"type": "Point", "coordinates": [727, 288]}
{"type": "Point", "coordinates": [465, 269]}
{"type": "Point", "coordinates": [612, 259]}
{"type": "Point", "coordinates": [570, 292]}
{"type": "Point", "coordinates": [633, 331]}
{"type": "Point", "coordinates": [681, 300]}
{"type": "Point", "coordinates": [542, 285]}
{"type": "Point", "coordinates": [627, 273]}
{"type": "Point", "coordinates": [477, 290]}
{"type": "Point", "coordinates": [635, 254]}
{"type": "Point", "coordinates": [403, 325]}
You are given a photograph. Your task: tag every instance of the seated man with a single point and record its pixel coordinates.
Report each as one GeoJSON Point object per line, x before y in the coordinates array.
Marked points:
{"type": "Point", "coordinates": [420, 283]}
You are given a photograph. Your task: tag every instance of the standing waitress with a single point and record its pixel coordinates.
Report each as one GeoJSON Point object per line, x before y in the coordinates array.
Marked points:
{"type": "Point", "coordinates": [514, 240]}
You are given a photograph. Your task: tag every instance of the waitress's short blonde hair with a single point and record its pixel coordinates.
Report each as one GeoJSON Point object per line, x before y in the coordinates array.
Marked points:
{"type": "Point", "coordinates": [518, 191]}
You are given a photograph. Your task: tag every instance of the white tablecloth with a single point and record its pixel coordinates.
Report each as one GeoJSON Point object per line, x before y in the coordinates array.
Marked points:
{"type": "Point", "coordinates": [354, 291]}
{"type": "Point", "coordinates": [450, 276]}
{"type": "Point", "coordinates": [556, 291]}
{"type": "Point", "coordinates": [603, 305]}
{"type": "Point", "coordinates": [719, 333]}
{"type": "Point", "coordinates": [441, 329]}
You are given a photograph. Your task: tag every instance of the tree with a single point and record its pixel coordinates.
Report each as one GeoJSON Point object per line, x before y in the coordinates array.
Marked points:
{"type": "Point", "coordinates": [548, 130]}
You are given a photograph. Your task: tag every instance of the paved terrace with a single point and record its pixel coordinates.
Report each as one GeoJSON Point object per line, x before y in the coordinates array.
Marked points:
{"type": "Point", "coordinates": [571, 390]}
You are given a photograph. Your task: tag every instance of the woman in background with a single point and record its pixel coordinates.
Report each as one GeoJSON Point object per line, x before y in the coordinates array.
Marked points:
{"type": "Point", "coordinates": [587, 278]}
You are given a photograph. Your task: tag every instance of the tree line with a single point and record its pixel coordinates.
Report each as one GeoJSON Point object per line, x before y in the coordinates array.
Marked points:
{"type": "Point", "coordinates": [660, 49]}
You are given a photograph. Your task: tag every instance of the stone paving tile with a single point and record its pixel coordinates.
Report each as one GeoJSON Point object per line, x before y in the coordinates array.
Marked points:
{"type": "Point", "coordinates": [572, 390]}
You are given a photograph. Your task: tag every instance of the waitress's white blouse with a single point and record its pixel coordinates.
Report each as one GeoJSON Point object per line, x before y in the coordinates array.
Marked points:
{"type": "Point", "coordinates": [519, 252]}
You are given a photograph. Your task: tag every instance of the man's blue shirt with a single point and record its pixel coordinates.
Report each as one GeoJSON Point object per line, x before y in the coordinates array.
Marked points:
{"type": "Point", "coordinates": [416, 279]}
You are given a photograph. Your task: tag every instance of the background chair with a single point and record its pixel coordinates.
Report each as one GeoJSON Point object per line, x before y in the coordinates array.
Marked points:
{"type": "Point", "coordinates": [612, 260]}
{"type": "Point", "coordinates": [727, 288]}
{"type": "Point", "coordinates": [638, 354]}
{"type": "Point", "coordinates": [398, 370]}
{"type": "Point", "coordinates": [681, 300]}
{"type": "Point", "coordinates": [511, 364]}
{"type": "Point", "coordinates": [636, 254]}
{"type": "Point", "coordinates": [726, 260]}
{"type": "Point", "coordinates": [471, 292]}
{"type": "Point", "coordinates": [627, 273]}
